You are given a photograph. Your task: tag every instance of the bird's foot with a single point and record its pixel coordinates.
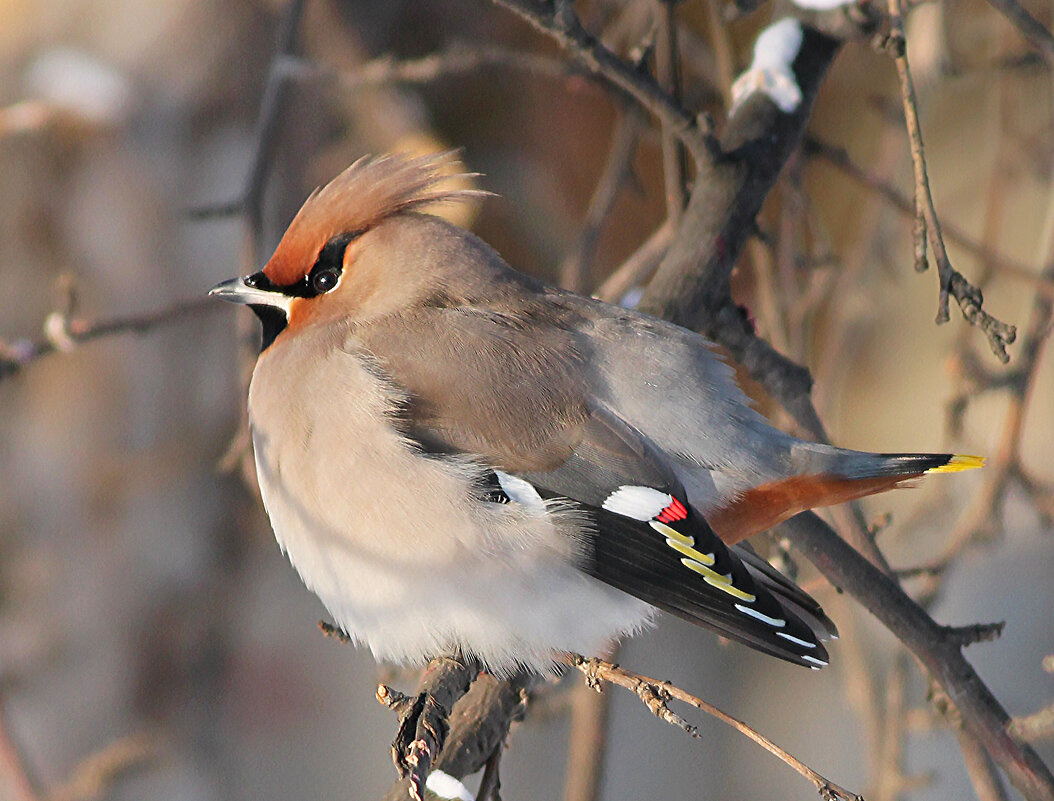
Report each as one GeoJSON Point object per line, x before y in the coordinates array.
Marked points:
{"type": "Point", "coordinates": [424, 718]}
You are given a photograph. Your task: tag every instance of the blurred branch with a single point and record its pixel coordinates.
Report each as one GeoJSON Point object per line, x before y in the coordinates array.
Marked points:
{"type": "Point", "coordinates": [272, 104]}
{"type": "Point", "coordinates": [655, 695]}
{"type": "Point", "coordinates": [1028, 26]}
{"type": "Point", "coordinates": [457, 60]}
{"type": "Point", "coordinates": [668, 73]}
{"type": "Point", "coordinates": [635, 270]}
{"type": "Point", "coordinates": [63, 333]}
{"type": "Point", "coordinates": [94, 777]}
{"type": "Point", "coordinates": [91, 779]}
{"type": "Point", "coordinates": [588, 740]}
{"type": "Point", "coordinates": [927, 225]}
{"type": "Point", "coordinates": [575, 272]}
{"type": "Point", "coordinates": [13, 764]}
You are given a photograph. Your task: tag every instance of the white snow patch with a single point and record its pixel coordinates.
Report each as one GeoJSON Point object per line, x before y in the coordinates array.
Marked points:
{"type": "Point", "coordinates": [770, 71]}
{"type": "Point", "coordinates": [446, 786]}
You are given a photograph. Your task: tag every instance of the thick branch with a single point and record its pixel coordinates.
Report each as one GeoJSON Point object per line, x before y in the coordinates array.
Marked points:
{"type": "Point", "coordinates": [981, 714]}
{"type": "Point", "coordinates": [691, 284]}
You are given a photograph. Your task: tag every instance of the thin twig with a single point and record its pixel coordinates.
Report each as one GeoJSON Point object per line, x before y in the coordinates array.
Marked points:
{"type": "Point", "coordinates": [927, 225]}
{"type": "Point", "coordinates": [559, 22]}
{"type": "Point", "coordinates": [63, 334]}
{"type": "Point", "coordinates": [839, 158]}
{"type": "Point", "coordinates": [655, 694]}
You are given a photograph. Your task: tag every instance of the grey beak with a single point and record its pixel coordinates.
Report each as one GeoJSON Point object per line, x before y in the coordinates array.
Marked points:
{"type": "Point", "coordinates": [236, 290]}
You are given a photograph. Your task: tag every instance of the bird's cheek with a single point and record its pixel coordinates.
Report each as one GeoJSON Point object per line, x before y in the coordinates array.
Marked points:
{"type": "Point", "coordinates": [302, 312]}
{"type": "Point", "coordinates": [309, 311]}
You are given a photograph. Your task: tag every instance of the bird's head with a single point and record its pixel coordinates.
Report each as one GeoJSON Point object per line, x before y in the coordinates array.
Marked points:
{"type": "Point", "coordinates": [338, 251]}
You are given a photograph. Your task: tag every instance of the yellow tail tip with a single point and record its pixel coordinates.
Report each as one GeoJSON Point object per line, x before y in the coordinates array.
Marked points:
{"type": "Point", "coordinates": [957, 463]}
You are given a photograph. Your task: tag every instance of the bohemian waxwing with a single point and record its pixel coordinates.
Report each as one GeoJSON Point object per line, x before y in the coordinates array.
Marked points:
{"type": "Point", "coordinates": [459, 458]}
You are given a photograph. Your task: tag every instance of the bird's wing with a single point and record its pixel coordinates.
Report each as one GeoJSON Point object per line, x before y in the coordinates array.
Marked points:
{"type": "Point", "coordinates": [519, 397]}
{"type": "Point", "coordinates": [648, 541]}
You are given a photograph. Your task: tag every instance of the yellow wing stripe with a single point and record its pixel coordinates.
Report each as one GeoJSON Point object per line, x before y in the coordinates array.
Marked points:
{"type": "Point", "coordinates": [718, 581]}
{"type": "Point", "coordinates": [691, 553]}
{"type": "Point", "coordinates": [957, 463]}
{"type": "Point", "coordinates": [670, 533]}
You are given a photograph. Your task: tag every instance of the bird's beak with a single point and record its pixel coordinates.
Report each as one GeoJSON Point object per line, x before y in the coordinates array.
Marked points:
{"type": "Point", "coordinates": [238, 290]}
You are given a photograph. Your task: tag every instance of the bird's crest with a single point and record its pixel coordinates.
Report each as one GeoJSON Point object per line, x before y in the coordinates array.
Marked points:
{"type": "Point", "coordinates": [367, 192]}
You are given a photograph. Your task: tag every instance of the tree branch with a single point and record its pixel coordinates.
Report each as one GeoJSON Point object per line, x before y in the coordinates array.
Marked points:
{"type": "Point", "coordinates": [981, 714]}
{"type": "Point", "coordinates": [655, 695]}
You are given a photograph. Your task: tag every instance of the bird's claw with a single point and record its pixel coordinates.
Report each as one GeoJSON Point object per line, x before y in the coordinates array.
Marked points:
{"type": "Point", "coordinates": [423, 728]}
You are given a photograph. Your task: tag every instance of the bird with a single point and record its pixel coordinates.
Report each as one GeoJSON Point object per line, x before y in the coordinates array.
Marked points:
{"type": "Point", "coordinates": [458, 458]}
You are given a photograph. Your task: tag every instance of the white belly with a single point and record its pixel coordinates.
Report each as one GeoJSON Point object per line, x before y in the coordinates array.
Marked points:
{"type": "Point", "coordinates": [397, 545]}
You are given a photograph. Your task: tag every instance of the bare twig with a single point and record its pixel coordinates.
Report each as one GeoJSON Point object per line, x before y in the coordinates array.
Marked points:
{"type": "Point", "coordinates": [561, 23]}
{"type": "Point", "coordinates": [839, 158]}
{"type": "Point", "coordinates": [655, 695]}
{"type": "Point", "coordinates": [927, 225]}
{"type": "Point", "coordinates": [63, 333]}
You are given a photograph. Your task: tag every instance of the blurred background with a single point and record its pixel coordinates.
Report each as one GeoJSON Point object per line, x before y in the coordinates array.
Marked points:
{"type": "Point", "coordinates": [154, 643]}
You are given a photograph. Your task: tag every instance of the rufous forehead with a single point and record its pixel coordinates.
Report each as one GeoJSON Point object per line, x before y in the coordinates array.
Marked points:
{"type": "Point", "coordinates": [293, 258]}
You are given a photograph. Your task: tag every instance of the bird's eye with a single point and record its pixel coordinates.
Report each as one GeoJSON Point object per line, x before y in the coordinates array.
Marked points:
{"type": "Point", "coordinates": [324, 280]}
